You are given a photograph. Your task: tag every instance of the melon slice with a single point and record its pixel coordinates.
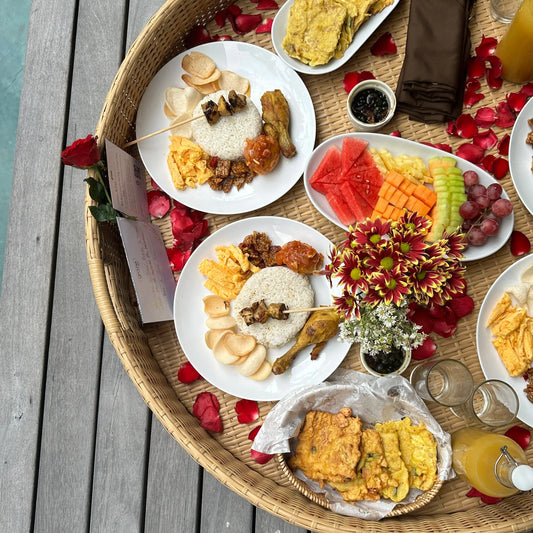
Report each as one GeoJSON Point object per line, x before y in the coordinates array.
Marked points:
{"type": "Point", "coordinates": [352, 149]}
{"type": "Point", "coordinates": [328, 171]}
{"type": "Point", "coordinates": [356, 202]}
{"type": "Point", "coordinates": [341, 208]}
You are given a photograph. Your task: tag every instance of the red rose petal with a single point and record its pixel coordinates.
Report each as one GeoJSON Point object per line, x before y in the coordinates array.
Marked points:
{"type": "Point", "coordinates": [395, 133]}
{"type": "Point", "coordinates": [198, 35]}
{"type": "Point", "coordinates": [461, 306]}
{"type": "Point", "coordinates": [245, 23]}
{"type": "Point", "coordinates": [384, 45]}
{"type": "Point", "coordinates": [475, 67]}
{"type": "Point", "coordinates": [520, 435]}
{"type": "Point", "coordinates": [519, 243]}
{"type": "Point", "coordinates": [222, 38]}
{"type": "Point", "coordinates": [202, 402]}
{"type": "Point", "coordinates": [489, 500]}
{"type": "Point", "coordinates": [500, 168]}
{"type": "Point", "coordinates": [177, 258]}
{"type": "Point", "coordinates": [247, 411]}
{"type": "Point", "coordinates": [187, 373]}
{"type": "Point", "coordinates": [351, 79]}
{"type": "Point", "coordinates": [516, 101]}
{"type": "Point", "coordinates": [505, 117]}
{"type": "Point", "coordinates": [470, 152]}
{"type": "Point", "coordinates": [451, 128]}
{"type": "Point", "coordinates": [485, 117]}
{"type": "Point", "coordinates": [503, 145]}
{"type": "Point", "coordinates": [488, 162]}
{"type": "Point", "coordinates": [493, 75]}
{"type": "Point", "coordinates": [487, 47]}
{"type": "Point", "coordinates": [442, 328]}
{"type": "Point", "coordinates": [260, 457]}
{"type": "Point", "coordinates": [425, 350]}
{"type": "Point", "coordinates": [207, 410]}
{"type": "Point", "coordinates": [472, 84]}
{"type": "Point", "coordinates": [527, 89]}
{"type": "Point", "coordinates": [158, 203]}
{"type": "Point", "coordinates": [472, 97]}
{"type": "Point", "coordinates": [254, 432]}
{"type": "Point", "coordinates": [265, 26]}
{"type": "Point", "coordinates": [440, 146]}
{"type": "Point", "coordinates": [496, 65]}
{"type": "Point", "coordinates": [211, 420]}
{"type": "Point", "coordinates": [422, 318]}
{"type": "Point", "coordinates": [154, 185]}
{"type": "Point", "coordinates": [465, 126]}
{"type": "Point", "coordinates": [267, 4]}
{"type": "Point", "coordinates": [486, 139]}
{"type": "Point", "coordinates": [234, 9]}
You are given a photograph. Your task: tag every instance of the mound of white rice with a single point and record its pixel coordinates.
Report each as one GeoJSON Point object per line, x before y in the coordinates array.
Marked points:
{"type": "Point", "coordinates": [275, 285]}
{"type": "Point", "coordinates": [226, 139]}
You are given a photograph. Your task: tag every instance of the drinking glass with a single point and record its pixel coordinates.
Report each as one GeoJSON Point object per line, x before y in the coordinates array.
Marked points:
{"type": "Point", "coordinates": [504, 10]}
{"type": "Point", "coordinates": [493, 403]}
{"type": "Point", "coordinates": [447, 382]}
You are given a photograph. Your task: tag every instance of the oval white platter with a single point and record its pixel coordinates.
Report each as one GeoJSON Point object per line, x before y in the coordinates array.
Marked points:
{"type": "Point", "coordinates": [189, 316]}
{"type": "Point", "coordinates": [279, 28]}
{"type": "Point", "coordinates": [397, 146]}
{"type": "Point", "coordinates": [491, 363]}
{"type": "Point", "coordinates": [521, 157]}
{"type": "Point", "coordinates": [265, 71]}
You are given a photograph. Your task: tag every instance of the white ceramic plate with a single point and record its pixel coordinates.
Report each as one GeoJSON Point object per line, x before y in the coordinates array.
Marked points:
{"type": "Point", "coordinates": [491, 364]}
{"type": "Point", "coordinates": [279, 28]}
{"type": "Point", "coordinates": [397, 146]}
{"type": "Point", "coordinates": [189, 316]}
{"type": "Point", "coordinates": [521, 157]}
{"type": "Point", "coordinates": [265, 71]}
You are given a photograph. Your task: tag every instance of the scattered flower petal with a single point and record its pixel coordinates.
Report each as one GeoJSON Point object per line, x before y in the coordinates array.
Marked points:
{"type": "Point", "coordinates": [500, 167]}
{"type": "Point", "coordinates": [519, 243]}
{"type": "Point", "coordinates": [465, 126]}
{"type": "Point", "coordinates": [384, 45]}
{"type": "Point", "coordinates": [207, 410]}
{"type": "Point", "coordinates": [451, 129]}
{"type": "Point", "coordinates": [471, 97]}
{"type": "Point", "coordinates": [516, 101]}
{"type": "Point", "coordinates": [487, 47]}
{"type": "Point", "coordinates": [442, 328]}
{"type": "Point", "coordinates": [198, 35]}
{"type": "Point", "coordinates": [158, 203]}
{"type": "Point", "coordinates": [395, 133]}
{"type": "Point", "coordinates": [503, 145]}
{"type": "Point", "coordinates": [265, 26]}
{"type": "Point", "coordinates": [486, 139]}
{"type": "Point", "coordinates": [489, 500]}
{"type": "Point", "coordinates": [475, 67]}
{"type": "Point", "coordinates": [520, 435]}
{"type": "Point", "coordinates": [351, 79]}
{"type": "Point", "coordinates": [254, 432]}
{"type": "Point", "coordinates": [461, 306]}
{"type": "Point", "coordinates": [222, 38]}
{"type": "Point", "coordinates": [154, 185]}
{"type": "Point", "coordinates": [267, 4]}
{"type": "Point", "coordinates": [472, 84]}
{"type": "Point", "coordinates": [488, 162]}
{"type": "Point", "coordinates": [470, 152]}
{"type": "Point", "coordinates": [187, 373]}
{"type": "Point", "coordinates": [485, 117]}
{"type": "Point", "coordinates": [245, 23]}
{"type": "Point", "coordinates": [422, 318]}
{"type": "Point", "coordinates": [505, 117]}
{"type": "Point", "coordinates": [247, 411]}
{"type": "Point", "coordinates": [495, 66]}
{"type": "Point", "coordinates": [177, 258]}
{"type": "Point", "coordinates": [527, 89]}
{"type": "Point", "coordinates": [260, 457]}
{"type": "Point", "coordinates": [425, 350]}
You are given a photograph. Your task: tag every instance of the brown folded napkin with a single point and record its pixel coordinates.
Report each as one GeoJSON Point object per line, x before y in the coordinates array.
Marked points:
{"type": "Point", "coordinates": [431, 84]}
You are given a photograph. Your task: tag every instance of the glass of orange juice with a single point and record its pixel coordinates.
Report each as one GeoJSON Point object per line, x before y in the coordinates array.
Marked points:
{"type": "Point", "coordinates": [516, 47]}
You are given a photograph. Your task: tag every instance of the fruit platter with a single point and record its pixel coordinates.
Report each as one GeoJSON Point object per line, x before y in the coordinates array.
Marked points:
{"type": "Point", "coordinates": [200, 373]}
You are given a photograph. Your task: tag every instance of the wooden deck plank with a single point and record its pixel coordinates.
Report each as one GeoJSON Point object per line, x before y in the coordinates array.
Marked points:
{"type": "Point", "coordinates": [268, 523]}
{"type": "Point", "coordinates": [64, 493]}
{"type": "Point", "coordinates": [30, 255]}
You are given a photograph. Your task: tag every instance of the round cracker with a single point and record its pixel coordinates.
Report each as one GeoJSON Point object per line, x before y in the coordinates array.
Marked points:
{"type": "Point", "coordinates": [198, 64]}
{"type": "Point", "coordinates": [194, 81]}
{"type": "Point", "coordinates": [230, 80]}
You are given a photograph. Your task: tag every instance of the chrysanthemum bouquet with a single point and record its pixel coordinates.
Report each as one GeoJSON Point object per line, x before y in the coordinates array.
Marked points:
{"type": "Point", "coordinates": [383, 267]}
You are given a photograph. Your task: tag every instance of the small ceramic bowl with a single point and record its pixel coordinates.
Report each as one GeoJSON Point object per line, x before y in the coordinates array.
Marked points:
{"type": "Point", "coordinates": [380, 87]}
{"type": "Point", "coordinates": [405, 364]}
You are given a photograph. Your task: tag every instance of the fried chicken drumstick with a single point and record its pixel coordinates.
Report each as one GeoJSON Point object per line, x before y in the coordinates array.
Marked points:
{"type": "Point", "coordinates": [276, 117]}
{"type": "Point", "coordinates": [321, 326]}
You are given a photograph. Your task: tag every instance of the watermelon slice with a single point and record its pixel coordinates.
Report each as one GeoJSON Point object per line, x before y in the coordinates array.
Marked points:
{"type": "Point", "coordinates": [352, 149]}
{"type": "Point", "coordinates": [356, 202]}
{"type": "Point", "coordinates": [341, 208]}
{"type": "Point", "coordinates": [328, 171]}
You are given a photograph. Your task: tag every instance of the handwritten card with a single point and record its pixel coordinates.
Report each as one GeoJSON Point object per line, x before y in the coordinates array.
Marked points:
{"type": "Point", "coordinates": [143, 243]}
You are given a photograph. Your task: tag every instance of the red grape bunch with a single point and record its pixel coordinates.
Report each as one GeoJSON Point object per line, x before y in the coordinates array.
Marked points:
{"type": "Point", "coordinates": [483, 210]}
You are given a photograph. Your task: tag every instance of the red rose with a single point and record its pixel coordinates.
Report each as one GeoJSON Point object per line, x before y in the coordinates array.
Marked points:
{"type": "Point", "coordinates": [82, 153]}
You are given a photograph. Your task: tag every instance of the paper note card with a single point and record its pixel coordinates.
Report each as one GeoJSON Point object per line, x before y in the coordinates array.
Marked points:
{"type": "Point", "coordinates": [126, 182]}
{"type": "Point", "coordinates": [152, 277]}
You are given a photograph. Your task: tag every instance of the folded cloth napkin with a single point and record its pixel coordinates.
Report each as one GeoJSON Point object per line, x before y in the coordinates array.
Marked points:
{"type": "Point", "coordinates": [431, 84]}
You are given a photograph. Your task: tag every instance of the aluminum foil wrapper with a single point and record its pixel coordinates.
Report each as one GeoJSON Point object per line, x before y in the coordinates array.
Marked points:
{"type": "Point", "coordinates": [373, 399]}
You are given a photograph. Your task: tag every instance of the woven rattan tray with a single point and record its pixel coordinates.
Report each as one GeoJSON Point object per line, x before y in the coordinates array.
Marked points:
{"type": "Point", "coordinates": [151, 354]}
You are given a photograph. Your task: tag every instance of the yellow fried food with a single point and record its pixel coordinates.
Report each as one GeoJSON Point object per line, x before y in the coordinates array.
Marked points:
{"type": "Point", "coordinates": [227, 275]}
{"type": "Point", "coordinates": [328, 446]}
{"type": "Point", "coordinates": [187, 163]}
{"type": "Point", "coordinates": [398, 471]}
{"type": "Point", "coordinates": [372, 474]}
{"type": "Point", "coordinates": [418, 449]}
{"type": "Point", "coordinates": [508, 321]}
{"type": "Point", "coordinates": [501, 307]}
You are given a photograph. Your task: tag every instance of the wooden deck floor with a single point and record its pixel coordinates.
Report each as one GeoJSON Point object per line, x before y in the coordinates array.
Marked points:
{"type": "Point", "coordinates": [80, 449]}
